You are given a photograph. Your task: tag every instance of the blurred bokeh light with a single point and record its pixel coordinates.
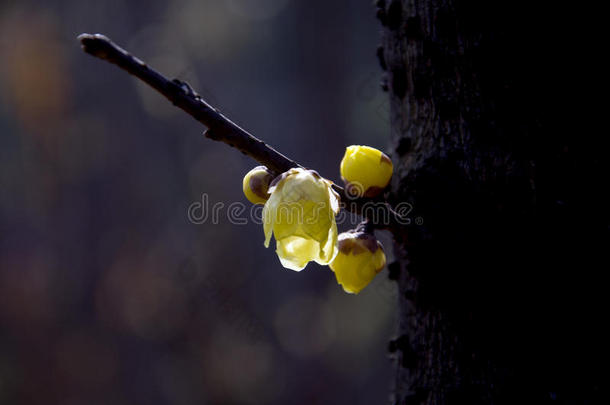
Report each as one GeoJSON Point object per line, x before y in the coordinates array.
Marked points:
{"type": "Point", "coordinates": [109, 294]}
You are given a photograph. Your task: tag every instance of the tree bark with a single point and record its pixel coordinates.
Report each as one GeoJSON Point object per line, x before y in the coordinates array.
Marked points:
{"type": "Point", "coordinates": [500, 288]}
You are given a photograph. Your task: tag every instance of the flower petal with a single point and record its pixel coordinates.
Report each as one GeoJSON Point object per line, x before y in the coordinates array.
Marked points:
{"type": "Point", "coordinates": [328, 251]}
{"type": "Point", "coordinates": [295, 252]}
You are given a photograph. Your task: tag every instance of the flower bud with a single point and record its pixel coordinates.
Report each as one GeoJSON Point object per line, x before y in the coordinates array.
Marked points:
{"type": "Point", "coordinates": [366, 171]}
{"type": "Point", "coordinates": [360, 258]}
{"type": "Point", "coordinates": [256, 185]}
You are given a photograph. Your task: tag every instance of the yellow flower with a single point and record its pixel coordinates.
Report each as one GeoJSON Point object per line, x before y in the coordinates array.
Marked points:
{"type": "Point", "coordinates": [359, 260]}
{"type": "Point", "coordinates": [366, 171]}
{"type": "Point", "coordinates": [301, 215]}
{"type": "Point", "coordinates": [256, 185]}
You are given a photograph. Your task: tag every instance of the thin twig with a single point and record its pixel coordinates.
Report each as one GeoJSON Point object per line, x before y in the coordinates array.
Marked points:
{"type": "Point", "coordinates": [220, 128]}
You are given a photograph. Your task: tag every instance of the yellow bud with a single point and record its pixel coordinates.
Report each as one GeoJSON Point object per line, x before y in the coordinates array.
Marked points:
{"type": "Point", "coordinates": [360, 258]}
{"type": "Point", "coordinates": [256, 185]}
{"type": "Point", "coordinates": [366, 171]}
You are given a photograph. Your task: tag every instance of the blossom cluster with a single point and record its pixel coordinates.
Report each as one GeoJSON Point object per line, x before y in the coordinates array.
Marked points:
{"type": "Point", "coordinates": [299, 212]}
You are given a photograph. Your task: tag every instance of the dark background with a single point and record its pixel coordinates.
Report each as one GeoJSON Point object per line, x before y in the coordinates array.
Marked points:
{"type": "Point", "coordinates": [108, 293]}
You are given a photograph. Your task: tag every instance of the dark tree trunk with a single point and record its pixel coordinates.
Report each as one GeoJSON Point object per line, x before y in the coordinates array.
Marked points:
{"type": "Point", "coordinates": [500, 288]}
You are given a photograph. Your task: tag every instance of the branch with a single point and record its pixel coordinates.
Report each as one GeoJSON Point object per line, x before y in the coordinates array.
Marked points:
{"type": "Point", "coordinates": [220, 128]}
